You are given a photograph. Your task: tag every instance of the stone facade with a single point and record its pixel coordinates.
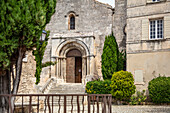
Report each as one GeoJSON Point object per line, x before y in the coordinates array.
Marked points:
{"type": "Point", "coordinates": [93, 21]}
{"type": "Point", "coordinates": [147, 58]}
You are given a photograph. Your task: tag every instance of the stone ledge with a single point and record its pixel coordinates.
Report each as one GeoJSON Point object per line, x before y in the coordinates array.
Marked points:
{"type": "Point", "coordinates": [73, 35]}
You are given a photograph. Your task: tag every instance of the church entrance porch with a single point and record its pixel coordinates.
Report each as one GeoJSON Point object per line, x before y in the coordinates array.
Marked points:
{"type": "Point", "coordinates": [75, 61]}
{"type": "Point", "coordinates": [74, 66]}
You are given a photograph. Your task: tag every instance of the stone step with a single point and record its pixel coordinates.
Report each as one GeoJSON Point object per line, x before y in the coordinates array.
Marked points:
{"type": "Point", "coordinates": [67, 88]}
{"type": "Point", "coordinates": [69, 100]}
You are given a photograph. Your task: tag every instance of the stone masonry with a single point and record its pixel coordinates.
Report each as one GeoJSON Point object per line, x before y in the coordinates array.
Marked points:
{"type": "Point", "coordinates": [147, 58]}
{"type": "Point", "coordinates": [88, 36]}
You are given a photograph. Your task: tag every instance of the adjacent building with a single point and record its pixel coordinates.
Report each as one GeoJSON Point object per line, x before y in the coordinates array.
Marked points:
{"type": "Point", "coordinates": [148, 40]}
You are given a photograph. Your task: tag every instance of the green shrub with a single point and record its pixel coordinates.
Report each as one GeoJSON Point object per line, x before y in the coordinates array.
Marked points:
{"type": "Point", "coordinates": [98, 87]}
{"type": "Point", "coordinates": [122, 84]}
{"type": "Point", "coordinates": [138, 98]}
{"type": "Point", "coordinates": [159, 90]}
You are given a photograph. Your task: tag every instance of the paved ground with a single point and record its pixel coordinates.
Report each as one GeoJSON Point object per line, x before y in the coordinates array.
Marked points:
{"type": "Point", "coordinates": [121, 109]}
{"type": "Point", "coordinates": [140, 109]}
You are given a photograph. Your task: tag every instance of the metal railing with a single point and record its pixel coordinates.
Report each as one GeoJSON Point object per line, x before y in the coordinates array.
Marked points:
{"type": "Point", "coordinates": [58, 103]}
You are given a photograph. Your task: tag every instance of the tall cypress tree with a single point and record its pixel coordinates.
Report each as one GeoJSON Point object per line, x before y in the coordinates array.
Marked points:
{"type": "Point", "coordinates": [109, 57]}
{"type": "Point", "coordinates": [21, 25]}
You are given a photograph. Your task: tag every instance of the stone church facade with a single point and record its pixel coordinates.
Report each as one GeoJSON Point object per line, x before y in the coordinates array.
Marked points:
{"type": "Point", "coordinates": [77, 33]}
{"type": "Point", "coordinates": [78, 29]}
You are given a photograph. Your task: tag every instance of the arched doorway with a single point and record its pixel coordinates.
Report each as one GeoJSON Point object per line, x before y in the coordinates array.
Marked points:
{"type": "Point", "coordinates": [74, 66]}
{"type": "Point", "coordinates": [70, 54]}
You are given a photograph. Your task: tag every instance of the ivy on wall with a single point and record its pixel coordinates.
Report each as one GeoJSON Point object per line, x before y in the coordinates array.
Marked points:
{"type": "Point", "coordinates": [39, 53]}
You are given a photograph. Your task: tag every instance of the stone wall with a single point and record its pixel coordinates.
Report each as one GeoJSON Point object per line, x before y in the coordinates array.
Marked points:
{"type": "Point", "coordinates": [27, 82]}
{"type": "Point", "coordinates": [91, 17]}
{"type": "Point", "coordinates": [119, 23]}
{"type": "Point", "coordinates": [147, 58]}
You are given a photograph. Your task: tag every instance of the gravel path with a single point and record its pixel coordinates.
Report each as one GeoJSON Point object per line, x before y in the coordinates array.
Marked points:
{"type": "Point", "coordinates": [140, 109]}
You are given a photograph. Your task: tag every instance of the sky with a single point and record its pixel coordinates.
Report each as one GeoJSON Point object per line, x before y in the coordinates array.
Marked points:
{"type": "Point", "coordinates": [110, 2]}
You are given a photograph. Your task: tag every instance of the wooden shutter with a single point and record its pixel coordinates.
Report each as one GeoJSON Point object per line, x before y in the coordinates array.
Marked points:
{"type": "Point", "coordinates": [145, 29]}
{"type": "Point", "coordinates": [167, 27]}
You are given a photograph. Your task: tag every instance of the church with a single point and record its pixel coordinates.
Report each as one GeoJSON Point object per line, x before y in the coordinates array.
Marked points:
{"type": "Point", "coordinates": [78, 29]}
{"type": "Point", "coordinates": [77, 34]}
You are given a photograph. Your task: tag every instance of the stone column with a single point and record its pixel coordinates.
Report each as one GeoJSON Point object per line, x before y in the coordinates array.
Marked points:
{"type": "Point", "coordinates": [61, 68]}
{"type": "Point", "coordinates": [84, 66]}
{"type": "Point", "coordinates": [64, 69]}
{"type": "Point", "coordinates": [53, 68]}
{"type": "Point", "coordinates": [57, 70]}
{"type": "Point", "coordinates": [92, 65]}
{"type": "Point", "coordinates": [88, 65]}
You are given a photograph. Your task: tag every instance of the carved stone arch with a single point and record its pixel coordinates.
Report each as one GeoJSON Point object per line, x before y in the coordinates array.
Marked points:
{"type": "Point", "coordinates": [62, 59]}
{"type": "Point", "coordinates": [71, 46]}
{"type": "Point", "coordinates": [67, 45]}
{"type": "Point", "coordinates": [71, 12]}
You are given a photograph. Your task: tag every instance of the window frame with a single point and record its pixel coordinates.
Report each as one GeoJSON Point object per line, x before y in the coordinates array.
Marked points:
{"type": "Point", "coordinates": [156, 29]}
{"type": "Point", "coordinates": [69, 23]}
{"type": "Point", "coordinates": [156, 1]}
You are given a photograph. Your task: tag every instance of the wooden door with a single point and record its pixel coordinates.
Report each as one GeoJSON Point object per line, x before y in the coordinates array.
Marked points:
{"type": "Point", "coordinates": [70, 70]}
{"type": "Point", "coordinates": [78, 69]}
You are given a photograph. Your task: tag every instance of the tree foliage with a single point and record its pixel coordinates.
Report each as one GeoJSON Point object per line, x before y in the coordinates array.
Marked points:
{"type": "Point", "coordinates": [109, 57]}
{"type": "Point", "coordinates": [21, 25]}
{"type": "Point", "coordinates": [112, 59]}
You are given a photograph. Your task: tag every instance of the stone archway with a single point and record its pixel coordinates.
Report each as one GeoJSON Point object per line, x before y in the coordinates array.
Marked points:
{"type": "Point", "coordinates": [81, 57]}
{"type": "Point", "coordinates": [74, 66]}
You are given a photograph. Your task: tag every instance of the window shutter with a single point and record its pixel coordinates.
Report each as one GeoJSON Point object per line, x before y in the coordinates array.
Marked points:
{"type": "Point", "coordinates": [145, 29]}
{"type": "Point", "coordinates": [167, 27]}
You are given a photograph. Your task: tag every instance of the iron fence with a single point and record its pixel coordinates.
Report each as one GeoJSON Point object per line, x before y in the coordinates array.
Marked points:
{"type": "Point", "coordinates": [57, 103]}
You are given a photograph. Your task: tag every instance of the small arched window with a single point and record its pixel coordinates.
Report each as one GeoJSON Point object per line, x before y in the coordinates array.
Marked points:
{"type": "Point", "coordinates": [72, 22]}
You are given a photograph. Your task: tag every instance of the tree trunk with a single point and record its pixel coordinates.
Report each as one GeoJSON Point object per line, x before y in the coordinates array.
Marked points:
{"type": "Point", "coordinates": [4, 84]}
{"type": "Point", "coordinates": [18, 76]}
{"type": "Point", "coordinates": [19, 69]}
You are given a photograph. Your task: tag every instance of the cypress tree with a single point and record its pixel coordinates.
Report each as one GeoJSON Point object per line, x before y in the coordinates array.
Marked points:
{"type": "Point", "coordinates": [21, 25]}
{"type": "Point", "coordinates": [109, 57]}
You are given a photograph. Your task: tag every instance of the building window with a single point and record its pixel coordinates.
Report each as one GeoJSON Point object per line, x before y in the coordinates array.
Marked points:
{"type": "Point", "coordinates": [72, 22]}
{"type": "Point", "coordinates": [156, 29]}
{"type": "Point", "coordinates": [155, 0]}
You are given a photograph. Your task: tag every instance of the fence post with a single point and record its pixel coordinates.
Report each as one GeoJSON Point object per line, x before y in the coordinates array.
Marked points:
{"type": "Point", "coordinates": [88, 103]}
{"type": "Point", "coordinates": [110, 104]}
{"type": "Point", "coordinates": [10, 106]}
{"type": "Point", "coordinates": [30, 104]}
{"type": "Point", "coordinates": [65, 109]}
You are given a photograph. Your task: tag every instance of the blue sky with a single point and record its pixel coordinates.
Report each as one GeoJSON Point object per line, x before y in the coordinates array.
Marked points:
{"type": "Point", "coordinates": [110, 2]}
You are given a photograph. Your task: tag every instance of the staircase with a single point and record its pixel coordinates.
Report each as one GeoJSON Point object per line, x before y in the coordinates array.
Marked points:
{"type": "Point", "coordinates": [71, 101]}
{"type": "Point", "coordinates": [67, 88]}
